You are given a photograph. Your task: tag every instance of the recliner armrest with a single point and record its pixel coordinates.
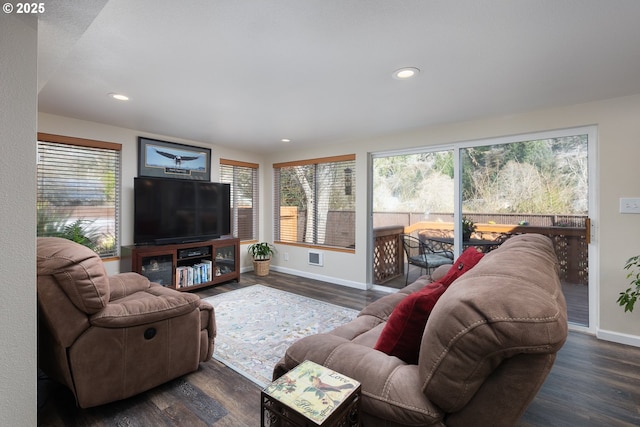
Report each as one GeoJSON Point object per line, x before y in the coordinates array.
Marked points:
{"type": "Point", "coordinates": [124, 284]}
{"type": "Point", "coordinates": [157, 303]}
{"type": "Point", "coordinates": [208, 324]}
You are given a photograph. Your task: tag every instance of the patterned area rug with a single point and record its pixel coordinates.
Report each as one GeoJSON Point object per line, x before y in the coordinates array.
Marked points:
{"type": "Point", "coordinates": [257, 324]}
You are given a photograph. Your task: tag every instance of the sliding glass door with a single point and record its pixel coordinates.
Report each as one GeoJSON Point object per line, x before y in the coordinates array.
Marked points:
{"type": "Point", "coordinates": [478, 194]}
{"type": "Point", "coordinates": [538, 185]}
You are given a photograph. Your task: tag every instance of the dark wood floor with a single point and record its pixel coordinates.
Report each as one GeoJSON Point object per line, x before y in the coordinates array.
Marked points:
{"type": "Point", "coordinates": [593, 383]}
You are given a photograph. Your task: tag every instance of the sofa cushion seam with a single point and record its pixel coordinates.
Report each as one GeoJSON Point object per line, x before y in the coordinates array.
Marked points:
{"type": "Point", "coordinates": [400, 404]}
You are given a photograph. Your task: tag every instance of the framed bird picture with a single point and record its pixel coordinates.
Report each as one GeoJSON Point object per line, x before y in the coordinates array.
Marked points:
{"type": "Point", "coordinates": [171, 160]}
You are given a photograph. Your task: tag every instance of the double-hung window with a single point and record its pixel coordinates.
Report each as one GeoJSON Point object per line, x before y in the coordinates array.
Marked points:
{"type": "Point", "coordinates": [315, 202]}
{"type": "Point", "coordinates": [78, 195]}
{"type": "Point", "coordinates": [243, 178]}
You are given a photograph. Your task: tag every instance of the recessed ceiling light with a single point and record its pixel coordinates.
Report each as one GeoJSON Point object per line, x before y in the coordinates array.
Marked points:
{"type": "Point", "coordinates": [405, 73]}
{"type": "Point", "coordinates": [285, 140]}
{"type": "Point", "coordinates": [119, 96]}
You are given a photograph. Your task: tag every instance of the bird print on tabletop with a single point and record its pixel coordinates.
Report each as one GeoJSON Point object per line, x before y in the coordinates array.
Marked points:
{"type": "Point", "coordinates": [324, 390]}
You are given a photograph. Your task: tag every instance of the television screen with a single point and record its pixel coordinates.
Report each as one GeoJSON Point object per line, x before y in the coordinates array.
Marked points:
{"type": "Point", "coordinates": [180, 211]}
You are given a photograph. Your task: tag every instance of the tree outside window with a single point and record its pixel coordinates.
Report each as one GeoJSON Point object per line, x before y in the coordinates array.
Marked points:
{"type": "Point", "coordinates": [315, 201]}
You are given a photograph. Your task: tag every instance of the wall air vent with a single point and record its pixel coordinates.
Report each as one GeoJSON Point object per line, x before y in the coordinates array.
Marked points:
{"type": "Point", "coordinates": [315, 258]}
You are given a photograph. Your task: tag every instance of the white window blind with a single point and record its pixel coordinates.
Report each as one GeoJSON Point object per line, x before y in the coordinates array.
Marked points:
{"type": "Point", "coordinates": [243, 178]}
{"type": "Point", "coordinates": [315, 202]}
{"type": "Point", "coordinates": [78, 193]}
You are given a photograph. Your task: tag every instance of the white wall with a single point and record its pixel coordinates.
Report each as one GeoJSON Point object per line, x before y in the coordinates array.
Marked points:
{"type": "Point", "coordinates": [18, 105]}
{"type": "Point", "coordinates": [617, 236]}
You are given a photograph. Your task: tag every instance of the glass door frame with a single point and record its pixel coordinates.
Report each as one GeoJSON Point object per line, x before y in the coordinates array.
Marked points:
{"type": "Point", "coordinates": [593, 197]}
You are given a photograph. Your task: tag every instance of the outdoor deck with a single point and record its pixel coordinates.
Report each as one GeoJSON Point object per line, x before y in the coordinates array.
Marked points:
{"type": "Point", "coordinates": [570, 245]}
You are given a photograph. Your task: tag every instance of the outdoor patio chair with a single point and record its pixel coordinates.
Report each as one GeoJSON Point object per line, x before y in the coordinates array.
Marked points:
{"type": "Point", "coordinates": [422, 255]}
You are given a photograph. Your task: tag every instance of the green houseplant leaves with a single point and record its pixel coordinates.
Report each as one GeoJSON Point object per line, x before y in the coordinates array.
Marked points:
{"type": "Point", "coordinates": [261, 250]}
{"type": "Point", "coordinates": [628, 298]}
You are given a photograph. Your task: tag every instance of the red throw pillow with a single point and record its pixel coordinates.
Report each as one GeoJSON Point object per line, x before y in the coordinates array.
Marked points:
{"type": "Point", "coordinates": [402, 334]}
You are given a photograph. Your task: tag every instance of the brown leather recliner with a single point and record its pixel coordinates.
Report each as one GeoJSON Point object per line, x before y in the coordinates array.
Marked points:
{"type": "Point", "coordinates": [111, 337]}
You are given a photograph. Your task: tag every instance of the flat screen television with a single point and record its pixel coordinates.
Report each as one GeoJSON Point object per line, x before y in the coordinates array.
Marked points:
{"type": "Point", "coordinates": [180, 211]}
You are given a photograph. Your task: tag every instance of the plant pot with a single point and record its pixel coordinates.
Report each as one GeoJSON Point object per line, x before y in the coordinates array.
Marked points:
{"type": "Point", "coordinates": [261, 267]}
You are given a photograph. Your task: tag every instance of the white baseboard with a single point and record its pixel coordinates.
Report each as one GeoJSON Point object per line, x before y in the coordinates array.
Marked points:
{"type": "Point", "coordinates": [330, 279]}
{"type": "Point", "coordinates": [618, 337]}
{"type": "Point", "coordinates": [334, 280]}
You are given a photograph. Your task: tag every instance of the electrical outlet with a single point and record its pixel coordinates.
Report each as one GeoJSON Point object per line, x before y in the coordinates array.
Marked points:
{"type": "Point", "coordinates": [286, 256]}
{"type": "Point", "coordinates": [630, 205]}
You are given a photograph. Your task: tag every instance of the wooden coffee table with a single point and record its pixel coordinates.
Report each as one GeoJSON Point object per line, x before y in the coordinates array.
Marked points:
{"type": "Point", "coordinates": [311, 395]}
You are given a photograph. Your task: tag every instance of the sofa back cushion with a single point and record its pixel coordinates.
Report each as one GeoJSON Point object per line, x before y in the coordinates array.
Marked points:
{"type": "Point", "coordinates": [77, 270]}
{"type": "Point", "coordinates": [510, 303]}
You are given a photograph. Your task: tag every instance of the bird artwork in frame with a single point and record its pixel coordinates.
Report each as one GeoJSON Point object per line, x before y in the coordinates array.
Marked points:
{"type": "Point", "coordinates": [172, 160]}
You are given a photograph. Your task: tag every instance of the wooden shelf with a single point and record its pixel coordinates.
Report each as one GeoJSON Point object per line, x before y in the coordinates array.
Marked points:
{"type": "Point", "coordinates": [159, 263]}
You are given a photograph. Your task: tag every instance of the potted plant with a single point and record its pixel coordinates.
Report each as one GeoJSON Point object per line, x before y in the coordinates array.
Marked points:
{"type": "Point", "coordinates": [468, 227]}
{"type": "Point", "coordinates": [261, 253]}
{"type": "Point", "coordinates": [628, 298]}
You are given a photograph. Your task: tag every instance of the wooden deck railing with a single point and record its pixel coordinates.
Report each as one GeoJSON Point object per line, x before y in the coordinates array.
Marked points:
{"type": "Point", "coordinates": [570, 244]}
{"type": "Point", "coordinates": [388, 258]}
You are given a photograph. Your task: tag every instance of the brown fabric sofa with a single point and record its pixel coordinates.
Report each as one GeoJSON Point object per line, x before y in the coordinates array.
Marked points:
{"type": "Point", "coordinates": [111, 337]}
{"type": "Point", "coordinates": [488, 345]}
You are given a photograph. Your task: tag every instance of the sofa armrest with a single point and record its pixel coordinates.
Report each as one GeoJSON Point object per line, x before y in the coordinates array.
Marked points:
{"type": "Point", "coordinates": [157, 303]}
{"type": "Point", "coordinates": [124, 284]}
{"type": "Point", "coordinates": [390, 387]}
{"type": "Point", "coordinates": [383, 307]}
{"type": "Point", "coordinates": [314, 347]}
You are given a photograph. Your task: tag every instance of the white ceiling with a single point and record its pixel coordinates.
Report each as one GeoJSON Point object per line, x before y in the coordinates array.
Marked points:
{"type": "Point", "coordinates": [247, 73]}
